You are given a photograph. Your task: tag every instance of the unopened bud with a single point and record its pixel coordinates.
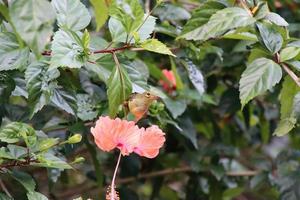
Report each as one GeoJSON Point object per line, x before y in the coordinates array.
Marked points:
{"type": "Point", "coordinates": [74, 139]}
{"type": "Point", "coordinates": [78, 160]}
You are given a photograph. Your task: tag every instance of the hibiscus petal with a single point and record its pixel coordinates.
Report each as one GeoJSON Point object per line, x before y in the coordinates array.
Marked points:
{"type": "Point", "coordinates": [151, 140]}
{"type": "Point", "coordinates": [111, 133]}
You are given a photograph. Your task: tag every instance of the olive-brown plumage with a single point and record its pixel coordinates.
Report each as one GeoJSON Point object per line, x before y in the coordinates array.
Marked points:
{"type": "Point", "coordinates": [138, 104]}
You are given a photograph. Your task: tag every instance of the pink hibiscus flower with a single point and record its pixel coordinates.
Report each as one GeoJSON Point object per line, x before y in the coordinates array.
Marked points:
{"type": "Point", "coordinates": [126, 136]}
{"type": "Point", "coordinates": [169, 86]}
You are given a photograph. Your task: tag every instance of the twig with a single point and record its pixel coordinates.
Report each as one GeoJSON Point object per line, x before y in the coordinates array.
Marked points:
{"type": "Point", "coordinates": [147, 6]}
{"type": "Point", "coordinates": [18, 164]}
{"type": "Point", "coordinates": [106, 50]}
{"type": "Point", "coordinates": [113, 50]}
{"type": "Point", "coordinates": [5, 189]}
{"type": "Point", "coordinates": [155, 174]}
{"type": "Point", "coordinates": [287, 69]}
{"type": "Point", "coordinates": [165, 172]}
{"type": "Point", "coordinates": [291, 73]}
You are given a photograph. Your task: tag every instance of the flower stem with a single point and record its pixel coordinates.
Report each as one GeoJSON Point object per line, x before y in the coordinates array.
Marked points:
{"type": "Point", "coordinates": [112, 192]}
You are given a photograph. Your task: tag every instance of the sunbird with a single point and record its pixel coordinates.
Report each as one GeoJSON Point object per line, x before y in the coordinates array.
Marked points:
{"type": "Point", "coordinates": [138, 104]}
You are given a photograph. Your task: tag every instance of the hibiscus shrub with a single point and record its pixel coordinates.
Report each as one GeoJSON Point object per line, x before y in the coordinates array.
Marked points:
{"type": "Point", "coordinates": [141, 99]}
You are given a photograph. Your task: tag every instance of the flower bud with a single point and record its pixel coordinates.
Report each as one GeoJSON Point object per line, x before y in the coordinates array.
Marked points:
{"type": "Point", "coordinates": [74, 139]}
{"type": "Point", "coordinates": [78, 160]}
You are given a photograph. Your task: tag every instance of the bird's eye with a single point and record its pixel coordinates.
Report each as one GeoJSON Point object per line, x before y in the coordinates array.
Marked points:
{"type": "Point", "coordinates": [148, 94]}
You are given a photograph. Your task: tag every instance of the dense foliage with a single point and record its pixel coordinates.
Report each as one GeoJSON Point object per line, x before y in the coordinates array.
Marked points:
{"type": "Point", "coordinates": [226, 73]}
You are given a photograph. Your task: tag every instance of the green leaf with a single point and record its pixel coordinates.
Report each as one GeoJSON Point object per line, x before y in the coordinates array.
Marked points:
{"type": "Point", "coordinates": [176, 107]}
{"type": "Point", "coordinates": [118, 32]}
{"type": "Point", "coordinates": [7, 85]}
{"type": "Point", "coordinates": [40, 85]}
{"type": "Point", "coordinates": [288, 108]}
{"type": "Point", "coordinates": [20, 89]}
{"type": "Point", "coordinates": [101, 12]}
{"type": "Point", "coordinates": [195, 76]}
{"type": "Point", "coordinates": [276, 19]}
{"type": "Point", "coordinates": [25, 179]}
{"type": "Point", "coordinates": [220, 22]}
{"type": "Point", "coordinates": [5, 197]}
{"type": "Point", "coordinates": [296, 105]}
{"type": "Point", "coordinates": [119, 88]}
{"type": "Point", "coordinates": [170, 12]}
{"type": "Point", "coordinates": [156, 46]}
{"type": "Point", "coordinates": [71, 14]}
{"type": "Point", "coordinates": [294, 64]}
{"type": "Point", "coordinates": [285, 126]}
{"type": "Point", "coordinates": [289, 53]}
{"type": "Point", "coordinates": [287, 94]}
{"type": "Point", "coordinates": [200, 16]}
{"type": "Point", "coordinates": [46, 144]}
{"type": "Point", "coordinates": [63, 100]}
{"type": "Point", "coordinates": [36, 196]}
{"type": "Point", "coordinates": [17, 151]}
{"type": "Point", "coordinates": [188, 130]}
{"type": "Point", "coordinates": [4, 153]}
{"type": "Point", "coordinates": [51, 161]}
{"type": "Point", "coordinates": [241, 36]}
{"type": "Point", "coordinates": [11, 55]}
{"type": "Point", "coordinates": [129, 12]}
{"type": "Point", "coordinates": [179, 83]}
{"type": "Point", "coordinates": [68, 50]}
{"type": "Point", "coordinates": [16, 131]}
{"type": "Point", "coordinates": [232, 193]}
{"type": "Point", "coordinates": [263, 10]}
{"type": "Point", "coordinates": [86, 107]}
{"type": "Point", "coordinates": [271, 38]}
{"type": "Point", "coordinates": [102, 73]}
{"type": "Point", "coordinates": [33, 20]}
{"type": "Point", "coordinates": [260, 75]}
{"type": "Point", "coordinates": [138, 73]}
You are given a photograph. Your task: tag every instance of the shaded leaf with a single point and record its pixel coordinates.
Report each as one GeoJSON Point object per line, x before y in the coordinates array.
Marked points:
{"type": "Point", "coordinates": [7, 85]}
{"type": "Point", "coordinates": [36, 196]}
{"type": "Point", "coordinates": [40, 85]}
{"type": "Point", "coordinates": [86, 107]}
{"type": "Point", "coordinates": [271, 38]}
{"type": "Point", "coordinates": [176, 107]}
{"type": "Point", "coordinates": [138, 73]}
{"type": "Point", "coordinates": [25, 179]}
{"type": "Point", "coordinates": [5, 197]}
{"type": "Point", "coordinates": [195, 76]}
{"type": "Point", "coordinates": [171, 12]}
{"type": "Point", "coordinates": [188, 130]}
{"type": "Point", "coordinates": [63, 100]}
{"type": "Point", "coordinates": [11, 55]}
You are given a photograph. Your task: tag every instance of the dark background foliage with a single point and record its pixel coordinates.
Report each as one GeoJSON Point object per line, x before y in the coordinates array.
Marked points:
{"type": "Point", "coordinates": [55, 81]}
